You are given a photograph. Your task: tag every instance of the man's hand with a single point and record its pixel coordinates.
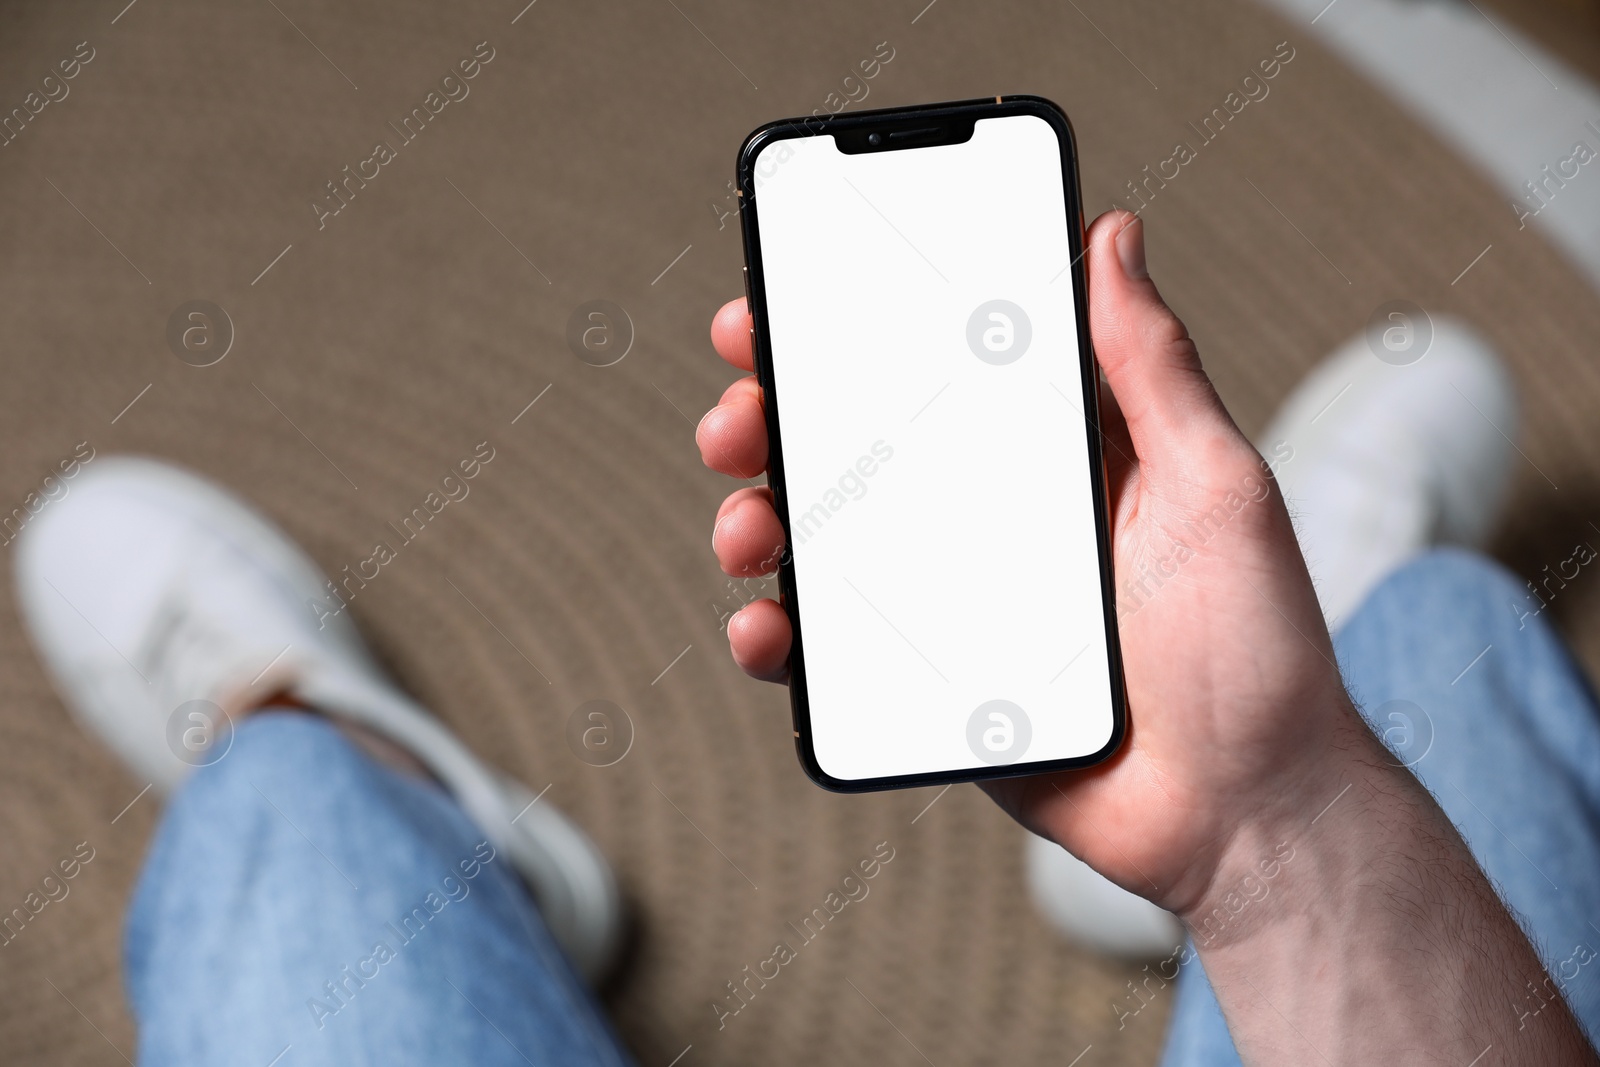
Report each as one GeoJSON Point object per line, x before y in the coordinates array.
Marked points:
{"type": "Point", "coordinates": [1383, 942]}
{"type": "Point", "coordinates": [1233, 694]}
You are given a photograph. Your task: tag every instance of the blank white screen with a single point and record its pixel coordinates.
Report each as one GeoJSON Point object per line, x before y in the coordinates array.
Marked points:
{"type": "Point", "coordinates": [943, 524]}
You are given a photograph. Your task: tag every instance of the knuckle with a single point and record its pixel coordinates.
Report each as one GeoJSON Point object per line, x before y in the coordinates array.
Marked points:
{"type": "Point", "coordinates": [1165, 333]}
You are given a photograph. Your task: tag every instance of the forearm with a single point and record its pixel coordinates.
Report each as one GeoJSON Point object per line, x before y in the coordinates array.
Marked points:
{"type": "Point", "coordinates": [1353, 926]}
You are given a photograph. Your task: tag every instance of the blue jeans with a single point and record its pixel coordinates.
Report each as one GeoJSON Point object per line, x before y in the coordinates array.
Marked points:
{"type": "Point", "coordinates": [304, 905]}
{"type": "Point", "coordinates": [279, 871]}
{"type": "Point", "coordinates": [1514, 760]}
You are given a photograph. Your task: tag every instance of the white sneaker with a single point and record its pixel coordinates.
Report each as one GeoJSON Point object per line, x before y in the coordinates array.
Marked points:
{"type": "Point", "coordinates": [1378, 461]}
{"type": "Point", "coordinates": [147, 589]}
{"type": "Point", "coordinates": [1094, 913]}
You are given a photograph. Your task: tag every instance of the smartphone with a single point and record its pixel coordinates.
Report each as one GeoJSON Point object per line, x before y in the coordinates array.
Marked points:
{"type": "Point", "coordinates": [917, 285]}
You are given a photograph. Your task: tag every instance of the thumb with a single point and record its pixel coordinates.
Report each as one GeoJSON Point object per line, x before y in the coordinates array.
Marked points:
{"type": "Point", "coordinates": [1149, 360]}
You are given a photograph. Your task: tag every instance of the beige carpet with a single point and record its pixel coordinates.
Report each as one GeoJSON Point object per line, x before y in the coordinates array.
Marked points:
{"type": "Point", "coordinates": [589, 162]}
{"type": "Point", "coordinates": [1568, 28]}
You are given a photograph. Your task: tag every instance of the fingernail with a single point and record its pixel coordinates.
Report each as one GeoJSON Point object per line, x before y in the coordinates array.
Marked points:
{"type": "Point", "coordinates": [1130, 249]}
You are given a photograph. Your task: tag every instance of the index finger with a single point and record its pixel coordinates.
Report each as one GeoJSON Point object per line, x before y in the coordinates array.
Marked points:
{"type": "Point", "coordinates": [730, 334]}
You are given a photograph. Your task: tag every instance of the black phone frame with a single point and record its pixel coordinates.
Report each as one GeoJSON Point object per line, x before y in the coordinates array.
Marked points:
{"type": "Point", "coordinates": [899, 129]}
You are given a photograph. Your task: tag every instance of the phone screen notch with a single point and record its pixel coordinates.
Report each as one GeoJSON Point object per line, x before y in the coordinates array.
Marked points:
{"type": "Point", "coordinates": [919, 132]}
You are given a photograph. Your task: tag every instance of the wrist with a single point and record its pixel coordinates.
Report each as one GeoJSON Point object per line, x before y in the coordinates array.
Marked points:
{"type": "Point", "coordinates": [1299, 843]}
{"type": "Point", "coordinates": [1346, 920]}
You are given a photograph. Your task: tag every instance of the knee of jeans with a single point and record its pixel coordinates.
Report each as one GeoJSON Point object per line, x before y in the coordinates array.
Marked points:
{"type": "Point", "coordinates": [1474, 586]}
{"type": "Point", "coordinates": [263, 750]}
